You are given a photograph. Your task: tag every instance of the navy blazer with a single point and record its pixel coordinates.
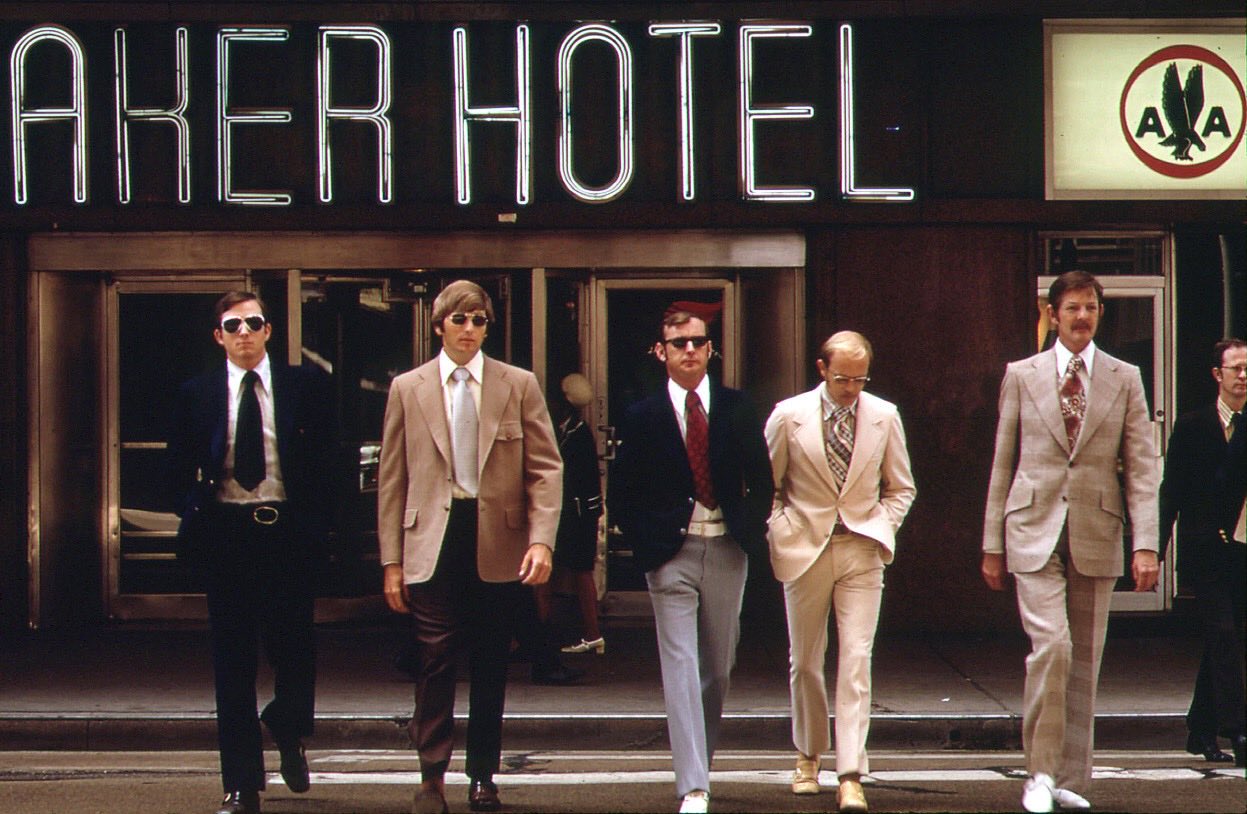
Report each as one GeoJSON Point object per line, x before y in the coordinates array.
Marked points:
{"type": "Point", "coordinates": [1202, 489]}
{"type": "Point", "coordinates": [650, 495]}
{"type": "Point", "coordinates": [305, 447]}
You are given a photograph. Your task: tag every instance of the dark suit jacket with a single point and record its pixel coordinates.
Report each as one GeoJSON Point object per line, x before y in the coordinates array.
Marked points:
{"type": "Point", "coordinates": [1202, 489]}
{"type": "Point", "coordinates": [305, 444]}
{"type": "Point", "coordinates": [650, 493]}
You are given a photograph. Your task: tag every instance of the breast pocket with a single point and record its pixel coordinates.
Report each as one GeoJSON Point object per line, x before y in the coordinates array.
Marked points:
{"type": "Point", "coordinates": [510, 431]}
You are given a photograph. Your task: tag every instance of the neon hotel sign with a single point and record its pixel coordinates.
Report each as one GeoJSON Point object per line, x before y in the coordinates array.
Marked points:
{"type": "Point", "coordinates": [375, 116]}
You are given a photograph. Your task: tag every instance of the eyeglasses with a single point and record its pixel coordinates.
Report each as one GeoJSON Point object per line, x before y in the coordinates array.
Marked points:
{"type": "Point", "coordinates": [682, 342]}
{"type": "Point", "coordinates": [255, 323]}
{"type": "Point", "coordinates": [1237, 370]}
{"type": "Point", "coordinates": [477, 320]}
{"type": "Point", "coordinates": [838, 379]}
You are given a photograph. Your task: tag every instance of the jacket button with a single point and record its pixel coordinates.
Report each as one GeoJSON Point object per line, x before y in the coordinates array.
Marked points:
{"type": "Point", "coordinates": [683, 532]}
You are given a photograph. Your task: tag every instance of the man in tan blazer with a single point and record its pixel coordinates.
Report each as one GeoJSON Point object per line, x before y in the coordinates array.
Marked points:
{"type": "Point", "coordinates": [842, 488]}
{"type": "Point", "coordinates": [468, 499]}
{"type": "Point", "coordinates": [1071, 418]}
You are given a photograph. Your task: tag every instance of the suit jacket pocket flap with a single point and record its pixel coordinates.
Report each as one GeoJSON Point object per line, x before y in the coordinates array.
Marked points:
{"type": "Point", "coordinates": [1110, 501]}
{"type": "Point", "coordinates": [517, 518]}
{"type": "Point", "coordinates": [510, 430]}
{"type": "Point", "coordinates": [409, 518]}
{"type": "Point", "coordinates": [1020, 496]}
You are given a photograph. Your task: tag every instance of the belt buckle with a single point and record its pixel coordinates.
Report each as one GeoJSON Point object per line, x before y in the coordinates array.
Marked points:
{"type": "Point", "coordinates": [265, 515]}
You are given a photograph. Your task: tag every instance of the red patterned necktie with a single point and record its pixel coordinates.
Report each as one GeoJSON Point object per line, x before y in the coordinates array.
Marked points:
{"type": "Point", "coordinates": [697, 441]}
{"type": "Point", "coordinates": [1073, 400]}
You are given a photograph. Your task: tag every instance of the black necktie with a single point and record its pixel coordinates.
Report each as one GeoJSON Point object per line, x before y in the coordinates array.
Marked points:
{"type": "Point", "coordinates": [249, 437]}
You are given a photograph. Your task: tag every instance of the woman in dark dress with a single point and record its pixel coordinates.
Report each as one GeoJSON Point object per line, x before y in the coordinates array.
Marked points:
{"type": "Point", "coordinates": [576, 546]}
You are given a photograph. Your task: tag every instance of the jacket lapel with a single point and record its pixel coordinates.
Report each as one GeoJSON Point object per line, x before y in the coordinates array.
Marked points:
{"type": "Point", "coordinates": [429, 397]}
{"type": "Point", "coordinates": [809, 435]}
{"type": "Point", "coordinates": [283, 412]}
{"type": "Point", "coordinates": [867, 436]}
{"type": "Point", "coordinates": [1041, 383]}
{"type": "Point", "coordinates": [218, 394]}
{"type": "Point", "coordinates": [495, 393]}
{"type": "Point", "coordinates": [1106, 382]}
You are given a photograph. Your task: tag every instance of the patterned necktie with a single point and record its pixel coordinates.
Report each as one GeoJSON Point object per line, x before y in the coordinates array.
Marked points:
{"type": "Point", "coordinates": [1073, 400]}
{"type": "Point", "coordinates": [839, 443]}
{"type": "Point", "coordinates": [465, 432]}
{"type": "Point", "coordinates": [249, 436]}
{"type": "Point", "coordinates": [697, 442]}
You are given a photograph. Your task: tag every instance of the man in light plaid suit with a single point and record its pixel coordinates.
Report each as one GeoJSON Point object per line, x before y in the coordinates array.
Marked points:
{"type": "Point", "coordinates": [1071, 418]}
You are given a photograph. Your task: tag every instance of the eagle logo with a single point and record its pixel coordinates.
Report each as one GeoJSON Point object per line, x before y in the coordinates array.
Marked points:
{"type": "Point", "coordinates": [1182, 105]}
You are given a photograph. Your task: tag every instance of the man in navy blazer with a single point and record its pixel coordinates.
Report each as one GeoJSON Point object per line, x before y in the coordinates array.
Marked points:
{"type": "Point", "coordinates": [1203, 490]}
{"type": "Point", "coordinates": [249, 459]}
{"type": "Point", "coordinates": [690, 489]}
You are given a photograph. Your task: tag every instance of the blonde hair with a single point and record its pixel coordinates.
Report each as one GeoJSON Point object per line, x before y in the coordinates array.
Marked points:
{"type": "Point", "coordinates": [850, 343]}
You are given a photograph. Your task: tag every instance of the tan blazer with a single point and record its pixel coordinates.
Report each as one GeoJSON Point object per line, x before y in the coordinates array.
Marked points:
{"type": "Point", "coordinates": [1036, 485]}
{"type": "Point", "coordinates": [521, 472]}
{"type": "Point", "coordinates": [877, 492]}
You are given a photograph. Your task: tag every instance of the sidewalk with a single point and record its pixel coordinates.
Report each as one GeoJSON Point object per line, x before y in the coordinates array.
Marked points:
{"type": "Point", "coordinates": [124, 688]}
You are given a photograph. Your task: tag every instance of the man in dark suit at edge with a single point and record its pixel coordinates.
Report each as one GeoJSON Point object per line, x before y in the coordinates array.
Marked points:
{"type": "Point", "coordinates": [1203, 488]}
{"type": "Point", "coordinates": [249, 456]}
{"type": "Point", "coordinates": [691, 489]}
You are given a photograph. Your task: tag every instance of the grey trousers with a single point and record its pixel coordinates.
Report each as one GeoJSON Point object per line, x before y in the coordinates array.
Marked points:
{"type": "Point", "coordinates": [697, 597]}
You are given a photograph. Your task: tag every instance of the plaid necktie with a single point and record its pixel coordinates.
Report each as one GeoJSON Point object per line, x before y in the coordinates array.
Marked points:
{"type": "Point", "coordinates": [839, 443]}
{"type": "Point", "coordinates": [697, 442]}
{"type": "Point", "coordinates": [1073, 400]}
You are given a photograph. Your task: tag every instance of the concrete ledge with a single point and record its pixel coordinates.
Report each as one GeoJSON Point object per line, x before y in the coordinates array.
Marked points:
{"type": "Point", "coordinates": [638, 732]}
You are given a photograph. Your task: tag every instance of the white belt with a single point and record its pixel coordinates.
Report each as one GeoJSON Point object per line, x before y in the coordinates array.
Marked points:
{"type": "Point", "coordinates": [707, 528]}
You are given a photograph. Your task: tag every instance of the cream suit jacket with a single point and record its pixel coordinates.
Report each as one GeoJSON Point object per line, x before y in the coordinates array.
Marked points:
{"type": "Point", "coordinates": [1037, 485]}
{"type": "Point", "coordinates": [877, 492]}
{"type": "Point", "coordinates": [521, 472]}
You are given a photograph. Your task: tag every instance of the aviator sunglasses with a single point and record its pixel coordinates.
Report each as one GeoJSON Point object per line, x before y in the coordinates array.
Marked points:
{"type": "Point", "coordinates": [681, 342]}
{"type": "Point", "coordinates": [477, 320]}
{"type": "Point", "coordinates": [255, 323]}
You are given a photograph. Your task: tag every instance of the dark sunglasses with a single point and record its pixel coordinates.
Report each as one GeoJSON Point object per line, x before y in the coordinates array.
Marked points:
{"type": "Point", "coordinates": [255, 324]}
{"type": "Point", "coordinates": [682, 342]}
{"type": "Point", "coordinates": [477, 320]}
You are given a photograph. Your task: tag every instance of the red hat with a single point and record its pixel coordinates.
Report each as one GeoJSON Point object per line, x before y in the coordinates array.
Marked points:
{"type": "Point", "coordinates": [705, 311]}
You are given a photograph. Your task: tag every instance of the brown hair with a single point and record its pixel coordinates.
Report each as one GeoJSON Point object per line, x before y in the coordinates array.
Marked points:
{"type": "Point", "coordinates": [1219, 349]}
{"type": "Point", "coordinates": [459, 297]}
{"type": "Point", "coordinates": [232, 298]}
{"type": "Point", "coordinates": [850, 343]}
{"type": "Point", "coordinates": [1073, 280]}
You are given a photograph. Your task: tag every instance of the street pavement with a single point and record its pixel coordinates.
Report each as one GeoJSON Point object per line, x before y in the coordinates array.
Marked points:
{"type": "Point", "coordinates": [383, 782]}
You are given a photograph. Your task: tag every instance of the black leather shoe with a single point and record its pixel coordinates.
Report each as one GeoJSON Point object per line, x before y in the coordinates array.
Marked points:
{"type": "Point", "coordinates": [483, 796]}
{"type": "Point", "coordinates": [1207, 747]}
{"type": "Point", "coordinates": [1240, 750]}
{"type": "Point", "coordinates": [240, 802]}
{"type": "Point", "coordinates": [294, 772]}
{"type": "Point", "coordinates": [557, 676]}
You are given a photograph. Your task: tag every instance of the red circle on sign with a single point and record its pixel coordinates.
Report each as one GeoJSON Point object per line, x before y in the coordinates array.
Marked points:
{"type": "Point", "coordinates": [1193, 52]}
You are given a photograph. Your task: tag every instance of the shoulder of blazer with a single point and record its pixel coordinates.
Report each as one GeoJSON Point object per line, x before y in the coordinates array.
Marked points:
{"type": "Point", "coordinates": [876, 406]}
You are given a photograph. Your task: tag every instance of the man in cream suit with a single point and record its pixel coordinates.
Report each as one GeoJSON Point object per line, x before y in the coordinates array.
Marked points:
{"type": "Point", "coordinates": [469, 493]}
{"type": "Point", "coordinates": [1071, 418]}
{"type": "Point", "coordinates": [842, 488]}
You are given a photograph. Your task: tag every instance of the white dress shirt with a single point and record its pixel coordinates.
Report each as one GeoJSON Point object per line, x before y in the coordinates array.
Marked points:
{"type": "Point", "coordinates": [271, 488]}
{"type": "Point", "coordinates": [678, 394]}
{"type": "Point", "coordinates": [476, 371]}
{"type": "Point", "coordinates": [1064, 354]}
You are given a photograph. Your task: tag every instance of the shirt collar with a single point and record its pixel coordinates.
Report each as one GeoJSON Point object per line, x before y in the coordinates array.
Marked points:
{"type": "Point", "coordinates": [1064, 354]}
{"type": "Point", "coordinates": [263, 369]}
{"type": "Point", "coordinates": [830, 407]}
{"type": "Point", "coordinates": [475, 366]}
{"type": "Point", "coordinates": [1224, 412]}
{"type": "Point", "coordinates": [678, 394]}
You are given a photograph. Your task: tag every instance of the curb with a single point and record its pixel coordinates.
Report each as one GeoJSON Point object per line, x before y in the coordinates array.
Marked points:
{"type": "Point", "coordinates": [585, 731]}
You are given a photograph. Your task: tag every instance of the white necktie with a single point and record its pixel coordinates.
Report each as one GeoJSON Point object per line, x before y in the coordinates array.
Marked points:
{"type": "Point", "coordinates": [464, 426]}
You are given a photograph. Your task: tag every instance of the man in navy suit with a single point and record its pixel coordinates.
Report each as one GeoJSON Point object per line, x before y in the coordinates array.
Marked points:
{"type": "Point", "coordinates": [1203, 490]}
{"type": "Point", "coordinates": [691, 489]}
{"type": "Point", "coordinates": [249, 459]}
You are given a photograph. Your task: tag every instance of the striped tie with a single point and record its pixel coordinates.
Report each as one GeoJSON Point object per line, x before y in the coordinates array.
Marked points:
{"type": "Point", "coordinates": [839, 443]}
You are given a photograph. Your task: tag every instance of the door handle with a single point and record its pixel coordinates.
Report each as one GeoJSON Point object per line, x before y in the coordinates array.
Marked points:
{"type": "Point", "coordinates": [609, 442]}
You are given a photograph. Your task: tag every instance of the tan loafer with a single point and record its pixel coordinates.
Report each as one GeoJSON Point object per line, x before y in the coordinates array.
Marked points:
{"type": "Point", "coordinates": [851, 797]}
{"type": "Point", "coordinates": [805, 778]}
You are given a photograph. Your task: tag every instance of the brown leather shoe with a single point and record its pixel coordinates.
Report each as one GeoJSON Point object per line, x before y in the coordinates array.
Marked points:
{"type": "Point", "coordinates": [805, 778]}
{"type": "Point", "coordinates": [240, 802]}
{"type": "Point", "coordinates": [483, 796]}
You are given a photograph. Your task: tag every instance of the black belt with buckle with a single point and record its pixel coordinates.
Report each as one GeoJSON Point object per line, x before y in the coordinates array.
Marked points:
{"type": "Point", "coordinates": [265, 515]}
{"type": "Point", "coordinates": [262, 514]}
